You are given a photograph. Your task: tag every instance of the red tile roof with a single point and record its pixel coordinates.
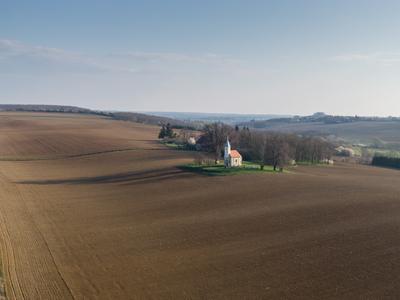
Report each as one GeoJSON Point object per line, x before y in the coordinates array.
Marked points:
{"type": "Point", "coordinates": [235, 154]}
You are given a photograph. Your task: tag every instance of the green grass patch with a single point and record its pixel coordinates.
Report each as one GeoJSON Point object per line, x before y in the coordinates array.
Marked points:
{"type": "Point", "coordinates": [220, 170]}
{"type": "Point", "coordinates": [173, 146]}
{"type": "Point", "coordinates": [384, 152]}
{"type": "Point", "coordinates": [376, 151]}
{"type": "Point", "coordinates": [308, 163]}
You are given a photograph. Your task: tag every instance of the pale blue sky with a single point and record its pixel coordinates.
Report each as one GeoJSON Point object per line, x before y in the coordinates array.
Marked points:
{"type": "Point", "coordinates": [290, 57]}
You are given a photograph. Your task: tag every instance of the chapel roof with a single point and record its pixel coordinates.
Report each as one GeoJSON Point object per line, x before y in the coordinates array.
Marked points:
{"type": "Point", "coordinates": [235, 154]}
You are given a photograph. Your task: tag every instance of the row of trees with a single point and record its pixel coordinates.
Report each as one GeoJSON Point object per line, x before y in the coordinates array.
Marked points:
{"type": "Point", "coordinates": [386, 161]}
{"type": "Point", "coordinates": [266, 148]}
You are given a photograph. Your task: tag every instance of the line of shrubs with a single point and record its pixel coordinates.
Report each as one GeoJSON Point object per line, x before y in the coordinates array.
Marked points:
{"type": "Point", "coordinates": [386, 161]}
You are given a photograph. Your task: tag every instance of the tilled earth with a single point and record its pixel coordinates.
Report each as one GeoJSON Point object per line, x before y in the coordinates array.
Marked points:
{"type": "Point", "coordinates": [109, 216]}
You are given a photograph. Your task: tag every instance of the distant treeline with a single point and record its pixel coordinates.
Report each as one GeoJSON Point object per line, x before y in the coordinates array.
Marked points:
{"type": "Point", "coordinates": [386, 161]}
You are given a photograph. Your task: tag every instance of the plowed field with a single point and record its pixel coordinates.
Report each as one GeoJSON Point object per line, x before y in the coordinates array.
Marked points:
{"type": "Point", "coordinates": [92, 208]}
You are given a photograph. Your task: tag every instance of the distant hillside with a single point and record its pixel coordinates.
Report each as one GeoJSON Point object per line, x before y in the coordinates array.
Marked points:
{"type": "Point", "coordinates": [125, 116]}
{"type": "Point", "coordinates": [372, 131]}
{"type": "Point", "coordinates": [44, 108]}
{"type": "Point", "coordinates": [227, 118]}
{"type": "Point", "coordinates": [153, 120]}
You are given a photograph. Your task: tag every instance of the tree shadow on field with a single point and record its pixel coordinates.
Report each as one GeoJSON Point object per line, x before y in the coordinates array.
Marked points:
{"type": "Point", "coordinates": [148, 176]}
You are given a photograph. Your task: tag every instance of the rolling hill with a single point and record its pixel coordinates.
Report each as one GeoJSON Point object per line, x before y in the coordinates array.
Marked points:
{"type": "Point", "coordinates": [124, 116]}
{"type": "Point", "coordinates": [369, 131]}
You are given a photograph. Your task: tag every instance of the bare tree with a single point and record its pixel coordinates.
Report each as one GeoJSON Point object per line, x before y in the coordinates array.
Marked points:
{"type": "Point", "coordinates": [270, 149]}
{"type": "Point", "coordinates": [215, 135]}
{"type": "Point", "coordinates": [244, 137]}
{"type": "Point", "coordinates": [277, 151]}
{"type": "Point", "coordinates": [311, 149]}
{"type": "Point", "coordinates": [258, 144]}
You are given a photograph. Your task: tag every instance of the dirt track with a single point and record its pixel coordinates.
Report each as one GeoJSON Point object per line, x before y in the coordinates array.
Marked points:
{"type": "Point", "coordinates": [129, 225]}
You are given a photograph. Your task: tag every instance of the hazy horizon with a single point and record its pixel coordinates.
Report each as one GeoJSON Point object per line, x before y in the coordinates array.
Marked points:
{"type": "Point", "coordinates": [161, 112]}
{"type": "Point", "coordinates": [239, 57]}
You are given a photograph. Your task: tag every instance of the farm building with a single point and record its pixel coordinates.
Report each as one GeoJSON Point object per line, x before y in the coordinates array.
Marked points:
{"type": "Point", "coordinates": [344, 151]}
{"type": "Point", "coordinates": [232, 158]}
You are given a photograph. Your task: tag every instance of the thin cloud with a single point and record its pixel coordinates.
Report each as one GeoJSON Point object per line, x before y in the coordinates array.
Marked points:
{"type": "Point", "coordinates": [16, 50]}
{"type": "Point", "coordinates": [11, 48]}
{"type": "Point", "coordinates": [206, 58]}
{"type": "Point", "coordinates": [380, 58]}
{"type": "Point", "coordinates": [133, 62]}
{"type": "Point", "coordinates": [352, 57]}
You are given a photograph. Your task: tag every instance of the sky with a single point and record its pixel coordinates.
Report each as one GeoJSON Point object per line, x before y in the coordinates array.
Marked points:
{"type": "Point", "coordinates": [270, 57]}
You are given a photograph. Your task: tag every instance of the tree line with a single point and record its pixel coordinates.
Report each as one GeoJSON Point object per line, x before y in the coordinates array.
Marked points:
{"type": "Point", "coordinates": [265, 148]}
{"type": "Point", "coordinates": [386, 161]}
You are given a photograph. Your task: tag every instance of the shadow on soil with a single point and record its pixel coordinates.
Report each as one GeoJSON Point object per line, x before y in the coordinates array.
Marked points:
{"type": "Point", "coordinates": [128, 177]}
{"type": "Point", "coordinates": [221, 170]}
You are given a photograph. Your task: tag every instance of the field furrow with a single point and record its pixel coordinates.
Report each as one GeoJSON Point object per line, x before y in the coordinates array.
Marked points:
{"type": "Point", "coordinates": [27, 275]}
{"type": "Point", "coordinates": [86, 219]}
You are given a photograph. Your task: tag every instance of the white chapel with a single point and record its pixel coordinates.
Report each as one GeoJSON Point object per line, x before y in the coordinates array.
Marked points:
{"type": "Point", "coordinates": [232, 158]}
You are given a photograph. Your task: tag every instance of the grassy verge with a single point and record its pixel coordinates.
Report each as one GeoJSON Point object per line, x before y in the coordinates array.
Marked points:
{"type": "Point", "coordinates": [306, 163]}
{"type": "Point", "coordinates": [174, 146]}
{"type": "Point", "coordinates": [220, 170]}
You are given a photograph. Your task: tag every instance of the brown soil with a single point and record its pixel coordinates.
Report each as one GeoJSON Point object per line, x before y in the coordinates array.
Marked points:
{"type": "Point", "coordinates": [2, 283]}
{"type": "Point", "coordinates": [122, 222]}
